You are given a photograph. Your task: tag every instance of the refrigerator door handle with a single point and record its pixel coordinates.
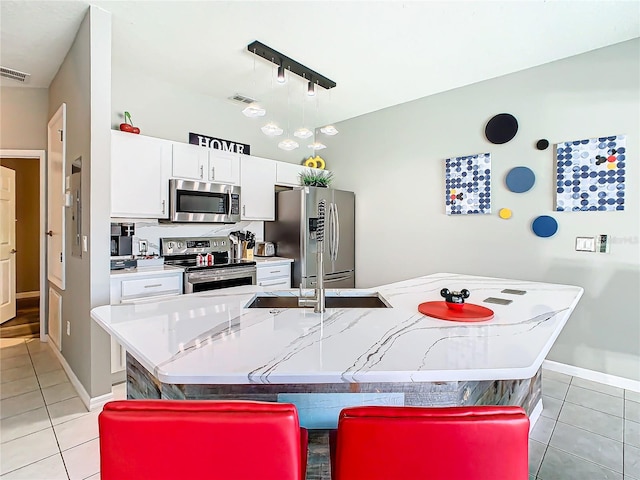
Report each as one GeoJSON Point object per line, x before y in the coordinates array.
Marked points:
{"type": "Point", "coordinates": [337, 220]}
{"type": "Point", "coordinates": [331, 231]}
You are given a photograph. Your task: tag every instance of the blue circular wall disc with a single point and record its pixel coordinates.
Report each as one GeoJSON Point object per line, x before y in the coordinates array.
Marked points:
{"type": "Point", "coordinates": [544, 226]}
{"type": "Point", "coordinates": [520, 179]}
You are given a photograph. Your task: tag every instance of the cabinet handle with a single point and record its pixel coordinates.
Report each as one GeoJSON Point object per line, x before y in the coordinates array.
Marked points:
{"type": "Point", "coordinates": [163, 207]}
{"type": "Point", "coordinates": [213, 173]}
{"type": "Point", "coordinates": [201, 171]}
{"type": "Point", "coordinates": [153, 286]}
{"type": "Point", "coordinates": [244, 210]}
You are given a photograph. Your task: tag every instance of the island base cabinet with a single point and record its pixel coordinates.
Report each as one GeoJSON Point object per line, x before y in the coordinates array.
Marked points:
{"type": "Point", "coordinates": [526, 393]}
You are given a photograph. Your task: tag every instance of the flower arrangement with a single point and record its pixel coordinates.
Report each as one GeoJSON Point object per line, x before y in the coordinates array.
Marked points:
{"type": "Point", "coordinates": [315, 178]}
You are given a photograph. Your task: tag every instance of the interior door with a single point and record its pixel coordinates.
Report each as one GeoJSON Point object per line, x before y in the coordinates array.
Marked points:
{"type": "Point", "coordinates": [7, 244]}
{"type": "Point", "coordinates": [55, 197]}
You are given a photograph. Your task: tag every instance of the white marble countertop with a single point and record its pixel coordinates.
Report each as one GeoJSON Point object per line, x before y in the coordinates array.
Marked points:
{"type": "Point", "coordinates": [211, 338]}
{"type": "Point", "coordinates": [136, 272]}
{"type": "Point", "coordinates": [262, 260]}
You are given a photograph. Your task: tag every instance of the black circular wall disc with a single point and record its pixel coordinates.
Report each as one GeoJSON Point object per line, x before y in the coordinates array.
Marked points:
{"type": "Point", "coordinates": [542, 144]}
{"type": "Point", "coordinates": [501, 128]}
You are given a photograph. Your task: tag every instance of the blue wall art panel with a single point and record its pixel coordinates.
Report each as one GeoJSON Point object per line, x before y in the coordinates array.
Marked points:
{"type": "Point", "coordinates": [591, 174]}
{"type": "Point", "coordinates": [468, 184]}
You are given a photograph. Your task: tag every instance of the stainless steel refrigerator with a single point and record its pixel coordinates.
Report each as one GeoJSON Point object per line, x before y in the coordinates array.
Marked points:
{"type": "Point", "coordinates": [294, 233]}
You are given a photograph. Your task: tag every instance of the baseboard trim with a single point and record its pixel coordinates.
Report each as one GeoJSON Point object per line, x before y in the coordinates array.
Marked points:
{"type": "Point", "coordinates": [605, 378]}
{"type": "Point", "coordinates": [27, 294]}
{"type": "Point", "coordinates": [92, 403]}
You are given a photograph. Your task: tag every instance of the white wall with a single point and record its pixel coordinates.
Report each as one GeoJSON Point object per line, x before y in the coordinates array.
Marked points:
{"type": "Point", "coordinates": [164, 110]}
{"type": "Point", "coordinates": [394, 160]}
{"type": "Point", "coordinates": [83, 83]}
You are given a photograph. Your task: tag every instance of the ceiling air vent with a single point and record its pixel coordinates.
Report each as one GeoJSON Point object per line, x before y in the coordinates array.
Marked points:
{"type": "Point", "coordinates": [14, 74]}
{"type": "Point", "coordinates": [242, 99]}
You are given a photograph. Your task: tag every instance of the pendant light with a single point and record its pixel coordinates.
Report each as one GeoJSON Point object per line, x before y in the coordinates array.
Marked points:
{"type": "Point", "coordinates": [288, 144]}
{"type": "Point", "coordinates": [272, 130]}
{"type": "Point", "coordinates": [329, 130]}
{"type": "Point", "coordinates": [303, 132]}
{"type": "Point", "coordinates": [254, 110]}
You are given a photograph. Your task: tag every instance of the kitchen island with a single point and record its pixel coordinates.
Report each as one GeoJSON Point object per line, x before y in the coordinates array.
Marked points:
{"type": "Point", "coordinates": [209, 345]}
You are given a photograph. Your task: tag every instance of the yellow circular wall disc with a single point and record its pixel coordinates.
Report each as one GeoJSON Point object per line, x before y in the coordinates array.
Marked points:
{"type": "Point", "coordinates": [310, 162]}
{"type": "Point", "coordinates": [611, 165]}
{"type": "Point", "coordinates": [505, 213]}
{"type": "Point", "coordinates": [319, 163]}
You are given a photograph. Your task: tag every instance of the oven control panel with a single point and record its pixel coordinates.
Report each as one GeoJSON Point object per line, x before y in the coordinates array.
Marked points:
{"type": "Point", "coordinates": [185, 246]}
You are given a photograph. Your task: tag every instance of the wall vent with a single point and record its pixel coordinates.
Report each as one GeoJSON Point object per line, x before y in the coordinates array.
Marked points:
{"type": "Point", "coordinates": [14, 74]}
{"type": "Point", "coordinates": [242, 99]}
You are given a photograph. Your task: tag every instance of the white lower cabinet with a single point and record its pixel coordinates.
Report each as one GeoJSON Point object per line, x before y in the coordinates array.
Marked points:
{"type": "Point", "coordinates": [128, 287]}
{"type": "Point", "coordinates": [274, 276]}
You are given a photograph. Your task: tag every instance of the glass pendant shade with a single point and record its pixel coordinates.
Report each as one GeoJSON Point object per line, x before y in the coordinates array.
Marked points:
{"type": "Point", "coordinates": [288, 144]}
{"type": "Point", "coordinates": [329, 130]}
{"type": "Point", "coordinates": [302, 132]}
{"type": "Point", "coordinates": [271, 130]}
{"type": "Point", "coordinates": [254, 110]}
{"type": "Point", "coordinates": [316, 146]}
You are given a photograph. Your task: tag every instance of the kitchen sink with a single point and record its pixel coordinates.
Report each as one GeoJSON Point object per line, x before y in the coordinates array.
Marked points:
{"type": "Point", "coordinates": [331, 301]}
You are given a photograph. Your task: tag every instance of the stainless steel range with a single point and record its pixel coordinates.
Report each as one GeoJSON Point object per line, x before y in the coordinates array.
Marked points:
{"type": "Point", "coordinates": [219, 271]}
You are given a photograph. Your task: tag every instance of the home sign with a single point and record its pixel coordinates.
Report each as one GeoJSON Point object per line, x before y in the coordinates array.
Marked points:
{"type": "Point", "coordinates": [219, 143]}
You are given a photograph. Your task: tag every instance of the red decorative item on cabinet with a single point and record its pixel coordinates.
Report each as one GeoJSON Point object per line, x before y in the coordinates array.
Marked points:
{"type": "Point", "coordinates": [127, 126]}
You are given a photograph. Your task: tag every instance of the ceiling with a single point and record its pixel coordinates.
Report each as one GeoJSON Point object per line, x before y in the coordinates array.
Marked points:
{"type": "Point", "coordinates": [379, 53]}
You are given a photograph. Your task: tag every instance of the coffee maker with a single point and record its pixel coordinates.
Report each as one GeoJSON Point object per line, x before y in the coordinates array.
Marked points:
{"type": "Point", "coordinates": [122, 239]}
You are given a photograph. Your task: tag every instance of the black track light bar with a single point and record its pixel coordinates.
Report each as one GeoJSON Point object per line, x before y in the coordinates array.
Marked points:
{"type": "Point", "coordinates": [279, 59]}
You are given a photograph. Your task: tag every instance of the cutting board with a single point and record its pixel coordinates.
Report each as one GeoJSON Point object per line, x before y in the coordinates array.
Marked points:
{"type": "Point", "coordinates": [469, 313]}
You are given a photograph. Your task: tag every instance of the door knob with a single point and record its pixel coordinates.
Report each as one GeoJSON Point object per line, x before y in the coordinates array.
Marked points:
{"type": "Point", "coordinates": [50, 233]}
{"type": "Point", "coordinates": [13, 250]}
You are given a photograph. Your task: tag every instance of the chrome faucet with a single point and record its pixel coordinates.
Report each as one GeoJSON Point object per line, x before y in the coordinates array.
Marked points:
{"type": "Point", "coordinates": [317, 301]}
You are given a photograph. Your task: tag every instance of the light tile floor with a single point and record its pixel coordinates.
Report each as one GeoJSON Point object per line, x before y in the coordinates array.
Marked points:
{"type": "Point", "coordinates": [587, 431]}
{"type": "Point", "coordinates": [46, 433]}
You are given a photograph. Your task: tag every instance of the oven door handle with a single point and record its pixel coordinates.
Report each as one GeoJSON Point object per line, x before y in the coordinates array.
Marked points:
{"type": "Point", "coordinates": [216, 278]}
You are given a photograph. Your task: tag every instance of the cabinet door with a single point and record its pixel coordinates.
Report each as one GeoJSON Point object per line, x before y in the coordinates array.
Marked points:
{"type": "Point", "coordinates": [257, 179]}
{"type": "Point", "coordinates": [189, 161]}
{"type": "Point", "coordinates": [139, 176]}
{"type": "Point", "coordinates": [224, 167]}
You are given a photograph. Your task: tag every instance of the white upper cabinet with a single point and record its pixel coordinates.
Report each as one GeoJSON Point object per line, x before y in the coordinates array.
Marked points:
{"type": "Point", "coordinates": [194, 162]}
{"type": "Point", "coordinates": [288, 174]}
{"type": "Point", "coordinates": [257, 179]}
{"type": "Point", "coordinates": [189, 161]}
{"type": "Point", "coordinates": [140, 169]}
{"type": "Point", "coordinates": [224, 167]}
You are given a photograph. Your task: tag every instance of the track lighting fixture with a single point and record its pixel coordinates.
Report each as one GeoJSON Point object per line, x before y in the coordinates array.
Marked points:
{"type": "Point", "coordinates": [281, 77]}
{"type": "Point", "coordinates": [311, 89]}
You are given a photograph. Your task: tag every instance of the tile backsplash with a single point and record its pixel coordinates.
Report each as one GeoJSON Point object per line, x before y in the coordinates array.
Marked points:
{"type": "Point", "coordinates": [152, 231]}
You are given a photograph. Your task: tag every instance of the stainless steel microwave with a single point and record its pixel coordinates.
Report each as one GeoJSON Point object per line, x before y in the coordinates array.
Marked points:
{"type": "Point", "coordinates": [203, 202]}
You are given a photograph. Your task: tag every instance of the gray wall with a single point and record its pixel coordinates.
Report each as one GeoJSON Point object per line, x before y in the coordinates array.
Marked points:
{"type": "Point", "coordinates": [23, 118]}
{"type": "Point", "coordinates": [83, 83]}
{"type": "Point", "coordinates": [394, 160]}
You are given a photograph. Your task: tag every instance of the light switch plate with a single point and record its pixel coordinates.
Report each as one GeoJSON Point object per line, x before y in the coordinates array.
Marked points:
{"type": "Point", "coordinates": [585, 244]}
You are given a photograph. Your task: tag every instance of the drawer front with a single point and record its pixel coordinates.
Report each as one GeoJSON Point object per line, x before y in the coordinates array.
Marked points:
{"type": "Point", "coordinates": [273, 271]}
{"type": "Point", "coordinates": [151, 286]}
{"type": "Point", "coordinates": [276, 284]}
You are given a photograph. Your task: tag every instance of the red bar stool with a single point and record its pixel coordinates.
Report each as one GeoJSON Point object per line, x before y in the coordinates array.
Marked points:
{"type": "Point", "coordinates": [199, 439]}
{"type": "Point", "coordinates": [420, 443]}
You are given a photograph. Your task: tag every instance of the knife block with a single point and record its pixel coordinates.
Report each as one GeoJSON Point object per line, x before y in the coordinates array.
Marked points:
{"type": "Point", "coordinates": [247, 253]}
